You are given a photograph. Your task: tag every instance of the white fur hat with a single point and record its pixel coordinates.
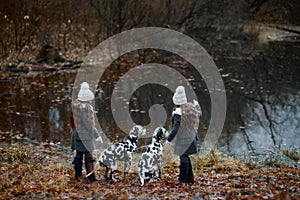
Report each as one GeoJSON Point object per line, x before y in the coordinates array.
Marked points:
{"type": "Point", "coordinates": [85, 94]}
{"type": "Point", "coordinates": [179, 97]}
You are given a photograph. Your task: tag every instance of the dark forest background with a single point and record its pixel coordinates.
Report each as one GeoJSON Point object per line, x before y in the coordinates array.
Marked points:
{"type": "Point", "coordinates": [255, 44]}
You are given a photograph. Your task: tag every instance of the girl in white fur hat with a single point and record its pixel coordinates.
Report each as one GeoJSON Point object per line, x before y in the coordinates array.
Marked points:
{"type": "Point", "coordinates": [82, 138]}
{"type": "Point", "coordinates": [185, 121]}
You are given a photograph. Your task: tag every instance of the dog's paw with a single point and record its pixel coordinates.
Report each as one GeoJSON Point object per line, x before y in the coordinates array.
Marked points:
{"type": "Point", "coordinates": [152, 180]}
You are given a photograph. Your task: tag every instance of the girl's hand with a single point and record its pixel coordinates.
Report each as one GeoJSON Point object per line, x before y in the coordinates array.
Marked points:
{"type": "Point", "coordinates": [99, 139]}
{"type": "Point", "coordinates": [195, 102]}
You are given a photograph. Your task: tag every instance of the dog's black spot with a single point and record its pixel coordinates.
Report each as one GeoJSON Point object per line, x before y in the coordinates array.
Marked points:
{"type": "Point", "coordinates": [156, 144]}
{"type": "Point", "coordinates": [158, 135]}
{"type": "Point", "coordinates": [145, 157]}
{"type": "Point", "coordinates": [132, 139]}
{"type": "Point", "coordinates": [149, 175]}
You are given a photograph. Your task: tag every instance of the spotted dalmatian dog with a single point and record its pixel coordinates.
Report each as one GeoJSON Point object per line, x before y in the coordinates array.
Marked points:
{"type": "Point", "coordinates": [149, 163]}
{"type": "Point", "coordinates": [121, 151]}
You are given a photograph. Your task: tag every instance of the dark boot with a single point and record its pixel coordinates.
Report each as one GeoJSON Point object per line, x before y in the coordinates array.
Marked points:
{"type": "Point", "coordinates": [183, 172]}
{"type": "Point", "coordinates": [183, 169]}
{"type": "Point", "coordinates": [190, 176]}
{"type": "Point", "coordinates": [89, 166]}
{"type": "Point", "coordinates": [78, 164]}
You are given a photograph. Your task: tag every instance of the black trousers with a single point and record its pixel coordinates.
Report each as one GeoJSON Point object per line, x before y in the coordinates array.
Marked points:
{"type": "Point", "coordinates": [78, 161]}
{"type": "Point", "coordinates": [185, 169]}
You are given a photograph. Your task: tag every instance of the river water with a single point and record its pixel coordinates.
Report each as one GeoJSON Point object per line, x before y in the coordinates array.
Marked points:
{"type": "Point", "coordinates": [263, 100]}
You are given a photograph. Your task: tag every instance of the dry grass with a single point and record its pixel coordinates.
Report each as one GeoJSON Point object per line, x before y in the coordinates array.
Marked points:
{"type": "Point", "coordinates": [14, 153]}
{"type": "Point", "coordinates": [292, 154]}
{"type": "Point", "coordinates": [218, 162]}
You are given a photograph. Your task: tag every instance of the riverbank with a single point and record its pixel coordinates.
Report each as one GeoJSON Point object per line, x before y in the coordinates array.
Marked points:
{"type": "Point", "coordinates": [29, 171]}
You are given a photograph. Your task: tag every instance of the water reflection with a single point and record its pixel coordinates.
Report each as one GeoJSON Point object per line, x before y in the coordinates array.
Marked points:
{"type": "Point", "coordinates": [273, 125]}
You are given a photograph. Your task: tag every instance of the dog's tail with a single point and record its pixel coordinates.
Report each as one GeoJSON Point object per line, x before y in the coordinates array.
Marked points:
{"type": "Point", "coordinates": [99, 163]}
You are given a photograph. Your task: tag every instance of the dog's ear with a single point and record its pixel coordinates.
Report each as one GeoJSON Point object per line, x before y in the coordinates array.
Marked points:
{"type": "Point", "coordinates": [160, 132]}
{"type": "Point", "coordinates": [136, 130]}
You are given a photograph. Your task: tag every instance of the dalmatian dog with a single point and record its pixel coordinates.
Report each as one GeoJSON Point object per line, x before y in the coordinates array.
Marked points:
{"type": "Point", "coordinates": [121, 151]}
{"type": "Point", "coordinates": [149, 163]}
